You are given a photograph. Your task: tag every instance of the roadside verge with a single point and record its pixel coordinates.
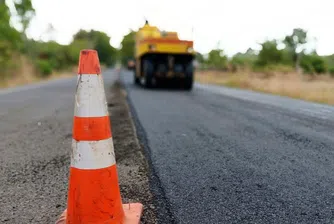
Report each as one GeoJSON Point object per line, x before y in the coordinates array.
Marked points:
{"type": "Point", "coordinates": [317, 89]}
{"type": "Point", "coordinates": [132, 166]}
{"type": "Point", "coordinates": [164, 213]}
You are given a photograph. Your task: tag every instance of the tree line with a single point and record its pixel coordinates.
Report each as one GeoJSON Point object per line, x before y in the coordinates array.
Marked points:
{"type": "Point", "coordinates": [284, 55]}
{"type": "Point", "coordinates": [45, 57]}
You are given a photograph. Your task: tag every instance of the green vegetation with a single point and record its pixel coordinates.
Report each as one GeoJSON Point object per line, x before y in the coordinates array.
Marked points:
{"type": "Point", "coordinates": [126, 51]}
{"type": "Point", "coordinates": [273, 69]}
{"type": "Point", "coordinates": [46, 58]}
{"type": "Point", "coordinates": [10, 40]}
{"type": "Point", "coordinates": [96, 40]}
{"type": "Point", "coordinates": [271, 58]}
{"type": "Point", "coordinates": [217, 59]}
{"type": "Point", "coordinates": [243, 60]}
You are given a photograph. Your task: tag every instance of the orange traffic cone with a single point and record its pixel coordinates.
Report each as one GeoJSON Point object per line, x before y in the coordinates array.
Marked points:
{"type": "Point", "coordinates": [93, 192]}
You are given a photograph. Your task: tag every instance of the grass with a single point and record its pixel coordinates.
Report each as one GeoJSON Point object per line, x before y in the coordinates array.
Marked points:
{"type": "Point", "coordinates": [26, 74]}
{"type": "Point", "coordinates": [30, 78]}
{"type": "Point", "coordinates": [318, 89]}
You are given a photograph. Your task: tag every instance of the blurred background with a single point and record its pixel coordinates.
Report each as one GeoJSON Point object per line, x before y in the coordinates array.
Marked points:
{"type": "Point", "coordinates": [272, 46]}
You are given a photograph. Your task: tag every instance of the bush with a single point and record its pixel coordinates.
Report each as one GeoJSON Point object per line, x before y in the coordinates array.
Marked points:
{"type": "Point", "coordinates": [73, 50]}
{"type": "Point", "coordinates": [319, 65]}
{"type": "Point", "coordinates": [269, 54]}
{"type": "Point", "coordinates": [313, 64]}
{"type": "Point", "coordinates": [44, 67]}
{"type": "Point", "coordinates": [217, 59]}
{"type": "Point", "coordinates": [331, 71]}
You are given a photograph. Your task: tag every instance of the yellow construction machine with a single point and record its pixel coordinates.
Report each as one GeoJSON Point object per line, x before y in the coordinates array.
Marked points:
{"type": "Point", "coordinates": [161, 56]}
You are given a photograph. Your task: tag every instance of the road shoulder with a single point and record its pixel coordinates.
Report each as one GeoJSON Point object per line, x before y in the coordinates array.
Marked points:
{"type": "Point", "coordinates": [164, 213]}
{"type": "Point", "coordinates": [133, 169]}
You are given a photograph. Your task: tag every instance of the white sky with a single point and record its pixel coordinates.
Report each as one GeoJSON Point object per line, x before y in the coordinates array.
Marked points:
{"type": "Point", "coordinates": [237, 24]}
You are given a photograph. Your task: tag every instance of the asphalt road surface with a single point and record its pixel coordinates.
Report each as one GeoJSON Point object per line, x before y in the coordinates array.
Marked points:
{"type": "Point", "coordinates": [35, 144]}
{"type": "Point", "coordinates": [230, 156]}
{"type": "Point", "coordinates": [218, 155]}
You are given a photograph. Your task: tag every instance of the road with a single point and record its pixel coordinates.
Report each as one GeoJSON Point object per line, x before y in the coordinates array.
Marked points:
{"type": "Point", "coordinates": [220, 155]}
{"type": "Point", "coordinates": [35, 144]}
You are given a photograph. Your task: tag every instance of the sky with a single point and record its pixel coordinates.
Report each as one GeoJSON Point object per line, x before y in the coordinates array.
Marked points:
{"type": "Point", "coordinates": [232, 25]}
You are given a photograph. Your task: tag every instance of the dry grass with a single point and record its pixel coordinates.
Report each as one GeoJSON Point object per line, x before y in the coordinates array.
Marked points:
{"type": "Point", "coordinates": [319, 89]}
{"type": "Point", "coordinates": [26, 74]}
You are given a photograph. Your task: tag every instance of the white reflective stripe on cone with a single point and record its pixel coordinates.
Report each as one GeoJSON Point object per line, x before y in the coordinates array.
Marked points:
{"type": "Point", "coordinates": [90, 100]}
{"type": "Point", "coordinates": [92, 154]}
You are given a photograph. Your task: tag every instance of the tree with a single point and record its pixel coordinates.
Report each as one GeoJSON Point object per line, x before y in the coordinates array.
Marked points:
{"type": "Point", "coordinates": [313, 64]}
{"type": "Point", "coordinates": [97, 40]}
{"type": "Point", "coordinates": [75, 47]}
{"type": "Point", "coordinates": [84, 35]}
{"type": "Point", "coordinates": [107, 53]}
{"type": "Point", "coordinates": [269, 54]}
{"type": "Point", "coordinates": [330, 63]}
{"type": "Point", "coordinates": [7, 32]}
{"type": "Point", "coordinates": [243, 60]}
{"type": "Point", "coordinates": [127, 50]}
{"type": "Point", "coordinates": [294, 41]}
{"type": "Point", "coordinates": [217, 59]}
{"type": "Point", "coordinates": [199, 58]}
{"type": "Point", "coordinates": [10, 39]}
{"type": "Point", "coordinates": [26, 12]}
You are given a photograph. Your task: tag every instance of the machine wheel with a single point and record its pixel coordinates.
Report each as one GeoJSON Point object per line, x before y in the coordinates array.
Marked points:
{"type": "Point", "coordinates": [148, 73]}
{"type": "Point", "coordinates": [189, 81]}
{"type": "Point", "coordinates": [135, 78]}
{"type": "Point", "coordinates": [189, 77]}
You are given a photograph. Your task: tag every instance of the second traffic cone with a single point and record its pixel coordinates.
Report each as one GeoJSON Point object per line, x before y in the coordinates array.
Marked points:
{"type": "Point", "coordinates": [93, 192]}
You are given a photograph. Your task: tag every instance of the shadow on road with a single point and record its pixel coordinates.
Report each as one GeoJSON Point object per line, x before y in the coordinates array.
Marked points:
{"type": "Point", "coordinates": [166, 86]}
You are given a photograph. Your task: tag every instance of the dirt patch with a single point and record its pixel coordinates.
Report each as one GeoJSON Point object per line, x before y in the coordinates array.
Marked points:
{"type": "Point", "coordinates": [131, 163]}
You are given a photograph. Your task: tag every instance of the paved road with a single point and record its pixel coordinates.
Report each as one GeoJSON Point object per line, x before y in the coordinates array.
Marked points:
{"type": "Point", "coordinates": [35, 142]}
{"type": "Point", "coordinates": [230, 156]}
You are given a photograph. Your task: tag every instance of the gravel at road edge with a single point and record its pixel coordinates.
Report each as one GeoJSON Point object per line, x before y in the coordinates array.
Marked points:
{"type": "Point", "coordinates": [131, 163]}
{"type": "Point", "coordinates": [164, 214]}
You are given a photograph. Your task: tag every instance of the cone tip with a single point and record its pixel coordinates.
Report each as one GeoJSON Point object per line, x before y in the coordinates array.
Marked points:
{"type": "Point", "coordinates": [89, 62]}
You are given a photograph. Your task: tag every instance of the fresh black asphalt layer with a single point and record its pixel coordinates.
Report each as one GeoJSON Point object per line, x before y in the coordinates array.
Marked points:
{"type": "Point", "coordinates": [221, 155]}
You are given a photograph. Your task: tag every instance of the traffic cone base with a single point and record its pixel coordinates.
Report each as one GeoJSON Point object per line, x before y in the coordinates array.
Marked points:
{"type": "Point", "coordinates": [103, 205]}
{"type": "Point", "coordinates": [132, 214]}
